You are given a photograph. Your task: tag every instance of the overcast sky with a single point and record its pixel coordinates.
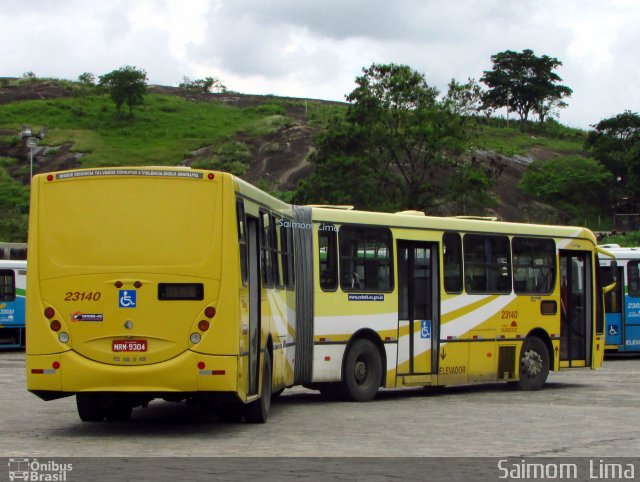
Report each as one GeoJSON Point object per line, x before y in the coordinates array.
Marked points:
{"type": "Point", "coordinates": [316, 48]}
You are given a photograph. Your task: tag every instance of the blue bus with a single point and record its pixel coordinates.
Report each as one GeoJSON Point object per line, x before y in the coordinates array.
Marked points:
{"type": "Point", "coordinates": [622, 304]}
{"type": "Point", "coordinates": [13, 285]}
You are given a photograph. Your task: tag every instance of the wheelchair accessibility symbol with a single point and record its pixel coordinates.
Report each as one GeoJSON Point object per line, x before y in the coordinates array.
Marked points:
{"type": "Point", "coordinates": [613, 330]}
{"type": "Point", "coordinates": [425, 329]}
{"type": "Point", "coordinates": [127, 299]}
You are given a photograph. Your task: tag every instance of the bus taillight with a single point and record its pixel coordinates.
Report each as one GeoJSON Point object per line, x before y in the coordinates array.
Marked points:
{"type": "Point", "coordinates": [203, 325]}
{"type": "Point", "coordinates": [55, 325]}
{"type": "Point", "coordinates": [210, 312]}
{"type": "Point", "coordinates": [49, 312]}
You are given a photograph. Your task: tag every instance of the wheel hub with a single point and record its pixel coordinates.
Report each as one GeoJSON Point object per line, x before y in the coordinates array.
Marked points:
{"type": "Point", "coordinates": [532, 363]}
{"type": "Point", "coordinates": [360, 371]}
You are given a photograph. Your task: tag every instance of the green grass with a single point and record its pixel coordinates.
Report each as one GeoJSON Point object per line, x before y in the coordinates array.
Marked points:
{"type": "Point", "coordinates": [512, 141]}
{"type": "Point", "coordinates": [161, 132]}
{"type": "Point", "coordinates": [628, 240]}
{"type": "Point", "coordinates": [14, 204]}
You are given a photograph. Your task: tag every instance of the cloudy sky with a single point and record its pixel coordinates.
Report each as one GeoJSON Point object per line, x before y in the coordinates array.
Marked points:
{"type": "Point", "coordinates": [316, 48]}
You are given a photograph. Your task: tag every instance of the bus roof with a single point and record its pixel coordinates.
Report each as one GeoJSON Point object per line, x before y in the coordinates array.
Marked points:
{"type": "Point", "coordinates": [622, 252]}
{"type": "Point", "coordinates": [12, 264]}
{"type": "Point", "coordinates": [479, 225]}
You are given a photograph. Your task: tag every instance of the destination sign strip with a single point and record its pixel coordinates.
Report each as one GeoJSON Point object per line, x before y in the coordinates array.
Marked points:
{"type": "Point", "coordinates": [181, 173]}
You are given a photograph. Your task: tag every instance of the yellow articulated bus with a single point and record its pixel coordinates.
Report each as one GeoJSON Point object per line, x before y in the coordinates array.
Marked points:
{"type": "Point", "coordinates": [193, 285]}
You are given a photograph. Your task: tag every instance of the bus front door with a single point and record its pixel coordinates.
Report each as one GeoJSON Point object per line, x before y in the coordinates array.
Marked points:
{"type": "Point", "coordinates": [576, 309]}
{"type": "Point", "coordinates": [417, 307]}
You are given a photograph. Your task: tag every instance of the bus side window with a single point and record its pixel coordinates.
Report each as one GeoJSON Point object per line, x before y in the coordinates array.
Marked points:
{"type": "Point", "coordinates": [266, 253]}
{"type": "Point", "coordinates": [275, 242]}
{"type": "Point", "coordinates": [487, 264]}
{"type": "Point", "coordinates": [365, 259]}
{"type": "Point", "coordinates": [633, 277]}
{"type": "Point", "coordinates": [534, 265]}
{"type": "Point", "coordinates": [242, 240]}
{"type": "Point", "coordinates": [286, 238]}
{"type": "Point", "coordinates": [452, 256]}
{"type": "Point", "coordinates": [328, 262]}
{"type": "Point", "coordinates": [7, 285]}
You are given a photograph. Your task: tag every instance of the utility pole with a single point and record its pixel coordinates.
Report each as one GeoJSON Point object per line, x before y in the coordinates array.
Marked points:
{"type": "Point", "coordinates": [31, 143]}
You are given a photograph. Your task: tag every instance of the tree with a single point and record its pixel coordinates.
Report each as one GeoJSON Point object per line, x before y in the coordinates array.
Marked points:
{"type": "Point", "coordinates": [615, 142]}
{"type": "Point", "coordinates": [394, 149]}
{"type": "Point", "coordinates": [524, 83]}
{"type": "Point", "coordinates": [87, 78]}
{"type": "Point", "coordinates": [464, 99]}
{"type": "Point", "coordinates": [208, 84]}
{"type": "Point", "coordinates": [576, 184]}
{"type": "Point", "coordinates": [127, 85]}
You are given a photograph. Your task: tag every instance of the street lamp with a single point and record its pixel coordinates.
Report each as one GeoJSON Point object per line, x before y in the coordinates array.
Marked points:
{"type": "Point", "coordinates": [32, 143]}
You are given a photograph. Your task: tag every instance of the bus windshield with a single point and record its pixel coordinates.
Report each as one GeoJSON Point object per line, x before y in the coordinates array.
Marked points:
{"type": "Point", "coordinates": [119, 221]}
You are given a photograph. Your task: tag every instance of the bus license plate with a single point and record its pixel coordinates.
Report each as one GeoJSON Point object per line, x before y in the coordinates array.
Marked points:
{"type": "Point", "coordinates": [129, 345]}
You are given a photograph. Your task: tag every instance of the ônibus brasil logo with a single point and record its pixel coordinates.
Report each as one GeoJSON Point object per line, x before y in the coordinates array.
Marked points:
{"type": "Point", "coordinates": [33, 470]}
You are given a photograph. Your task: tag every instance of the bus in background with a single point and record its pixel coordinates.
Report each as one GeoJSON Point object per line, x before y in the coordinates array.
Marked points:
{"type": "Point", "coordinates": [193, 285]}
{"type": "Point", "coordinates": [13, 284]}
{"type": "Point", "coordinates": [622, 304]}
{"type": "Point", "coordinates": [13, 251]}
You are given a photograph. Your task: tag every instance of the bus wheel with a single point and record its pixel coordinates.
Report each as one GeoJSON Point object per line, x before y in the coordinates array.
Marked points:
{"type": "Point", "coordinates": [362, 371]}
{"type": "Point", "coordinates": [258, 410]}
{"type": "Point", "coordinates": [90, 408]}
{"type": "Point", "coordinates": [534, 364]}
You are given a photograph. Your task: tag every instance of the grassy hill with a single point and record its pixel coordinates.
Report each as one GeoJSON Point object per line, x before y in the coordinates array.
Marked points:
{"type": "Point", "coordinates": [266, 140]}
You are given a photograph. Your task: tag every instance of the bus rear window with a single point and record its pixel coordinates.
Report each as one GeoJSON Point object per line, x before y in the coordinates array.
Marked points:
{"type": "Point", "coordinates": [122, 222]}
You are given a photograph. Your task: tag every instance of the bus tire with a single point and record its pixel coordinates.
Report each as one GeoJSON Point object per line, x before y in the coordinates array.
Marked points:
{"type": "Point", "coordinates": [90, 408]}
{"type": "Point", "coordinates": [258, 410]}
{"type": "Point", "coordinates": [362, 371]}
{"type": "Point", "coordinates": [534, 364]}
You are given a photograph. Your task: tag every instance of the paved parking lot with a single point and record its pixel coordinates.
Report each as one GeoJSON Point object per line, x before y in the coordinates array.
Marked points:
{"type": "Point", "coordinates": [580, 413]}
